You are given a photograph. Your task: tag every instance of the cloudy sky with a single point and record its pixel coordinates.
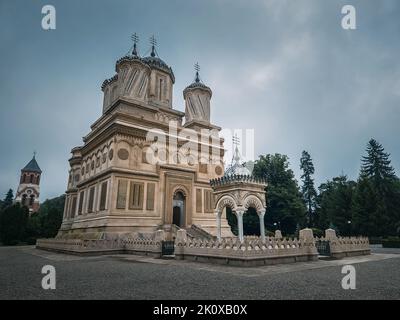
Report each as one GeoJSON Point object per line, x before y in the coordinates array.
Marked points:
{"type": "Point", "coordinates": [283, 67]}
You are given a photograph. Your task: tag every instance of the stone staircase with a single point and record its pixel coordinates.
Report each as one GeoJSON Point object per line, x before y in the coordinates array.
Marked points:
{"type": "Point", "coordinates": [197, 232]}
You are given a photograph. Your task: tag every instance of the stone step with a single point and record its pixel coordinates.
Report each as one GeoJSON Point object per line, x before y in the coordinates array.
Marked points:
{"type": "Point", "coordinates": [169, 256]}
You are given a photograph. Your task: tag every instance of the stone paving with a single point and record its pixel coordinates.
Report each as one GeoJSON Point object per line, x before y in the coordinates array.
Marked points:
{"type": "Point", "coordinates": [137, 277]}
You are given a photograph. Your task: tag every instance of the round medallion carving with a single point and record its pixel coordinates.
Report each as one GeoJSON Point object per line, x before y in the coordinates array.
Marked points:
{"type": "Point", "coordinates": [123, 154]}
{"type": "Point", "coordinates": [218, 170]}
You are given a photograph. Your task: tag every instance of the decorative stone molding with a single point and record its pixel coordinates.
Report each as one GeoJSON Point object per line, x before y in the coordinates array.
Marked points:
{"type": "Point", "coordinates": [254, 202]}
{"type": "Point", "coordinates": [226, 201]}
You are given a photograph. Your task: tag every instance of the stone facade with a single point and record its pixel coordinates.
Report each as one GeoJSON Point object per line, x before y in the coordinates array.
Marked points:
{"type": "Point", "coordinates": [145, 166]}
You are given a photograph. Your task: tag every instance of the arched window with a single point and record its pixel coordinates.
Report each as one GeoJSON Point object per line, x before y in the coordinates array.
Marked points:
{"type": "Point", "coordinates": [31, 200]}
{"type": "Point", "coordinates": [31, 178]}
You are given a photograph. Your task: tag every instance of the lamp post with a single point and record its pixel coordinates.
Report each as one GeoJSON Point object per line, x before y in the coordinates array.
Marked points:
{"type": "Point", "coordinates": [277, 224]}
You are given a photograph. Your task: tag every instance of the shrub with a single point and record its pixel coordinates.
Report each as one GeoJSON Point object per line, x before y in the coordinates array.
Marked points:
{"type": "Point", "coordinates": [391, 242]}
{"type": "Point", "coordinates": [318, 232]}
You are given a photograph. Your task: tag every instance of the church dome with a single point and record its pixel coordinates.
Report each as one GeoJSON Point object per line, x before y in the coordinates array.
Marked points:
{"type": "Point", "coordinates": [197, 84]}
{"type": "Point", "coordinates": [156, 62]}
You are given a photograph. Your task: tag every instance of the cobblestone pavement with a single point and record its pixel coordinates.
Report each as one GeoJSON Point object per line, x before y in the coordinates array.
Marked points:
{"type": "Point", "coordinates": [135, 277]}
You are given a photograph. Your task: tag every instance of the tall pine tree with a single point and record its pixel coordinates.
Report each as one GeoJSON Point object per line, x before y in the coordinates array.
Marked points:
{"type": "Point", "coordinates": [8, 200]}
{"type": "Point", "coordinates": [377, 198]}
{"type": "Point", "coordinates": [308, 189]}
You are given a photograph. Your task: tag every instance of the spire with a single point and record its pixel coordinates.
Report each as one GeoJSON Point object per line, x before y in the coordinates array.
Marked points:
{"type": "Point", "coordinates": [32, 166]}
{"type": "Point", "coordinates": [135, 39]}
{"type": "Point", "coordinates": [197, 68]}
{"type": "Point", "coordinates": [236, 156]}
{"type": "Point", "coordinates": [153, 43]}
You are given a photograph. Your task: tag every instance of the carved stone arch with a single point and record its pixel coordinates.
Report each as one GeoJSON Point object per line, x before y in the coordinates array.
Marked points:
{"type": "Point", "coordinates": [226, 201]}
{"type": "Point", "coordinates": [180, 188]}
{"type": "Point", "coordinates": [252, 201]}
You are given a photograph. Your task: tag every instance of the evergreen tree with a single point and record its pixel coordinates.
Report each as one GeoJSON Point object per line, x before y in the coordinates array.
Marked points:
{"type": "Point", "coordinates": [13, 222]}
{"type": "Point", "coordinates": [377, 198]}
{"type": "Point", "coordinates": [308, 189]}
{"type": "Point", "coordinates": [8, 200]}
{"type": "Point", "coordinates": [284, 202]}
{"type": "Point", "coordinates": [376, 164]}
{"type": "Point", "coordinates": [334, 204]}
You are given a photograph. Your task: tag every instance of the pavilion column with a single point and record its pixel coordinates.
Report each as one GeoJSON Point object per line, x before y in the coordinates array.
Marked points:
{"type": "Point", "coordinates": [261, 215]}
{"type": "Point", "coordinates": [218, 217]}
{"type": "Point", "coordinates": [239, 215]}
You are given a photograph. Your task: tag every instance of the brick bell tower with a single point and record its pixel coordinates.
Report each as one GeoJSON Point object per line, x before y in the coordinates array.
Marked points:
{"type": "Point", "coordinates": [28, 190]}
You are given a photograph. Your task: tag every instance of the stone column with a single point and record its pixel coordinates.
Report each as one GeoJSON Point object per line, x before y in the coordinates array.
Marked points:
{"type": "Point", "coordinates": [261, 215]}
{"type": "Point", "coordinates": [239, 215]}
{"type": "Point", "coordinates": [218, 217]}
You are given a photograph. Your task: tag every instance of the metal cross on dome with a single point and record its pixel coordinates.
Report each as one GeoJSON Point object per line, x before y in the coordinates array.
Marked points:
{"type": "Point", "coordinates": [197, 68]}
{"type": "Point", "coordinates": [135, 39]}
{"type": "Point", "coordinates": [235, 140]}
{"type": "Point", "coordinates": [153, 43]}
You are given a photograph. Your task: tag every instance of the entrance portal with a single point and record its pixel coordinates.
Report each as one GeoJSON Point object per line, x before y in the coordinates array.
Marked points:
{"type": "Point", "coordinates": [178, 213]}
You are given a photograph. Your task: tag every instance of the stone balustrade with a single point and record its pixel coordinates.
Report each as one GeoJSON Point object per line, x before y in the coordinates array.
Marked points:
{"type": "Point", "coordinates": [105, 246]}
{"type": "Point", "coordinates": [250, 252]}
{"type": "Point", "coordinates": [341, 247]}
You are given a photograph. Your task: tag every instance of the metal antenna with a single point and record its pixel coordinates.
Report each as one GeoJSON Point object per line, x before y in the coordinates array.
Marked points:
{"type": "Point", "coordinates": [135, 39]}
{"type": "Point", "coordinates": [197, 68]}
{"type": "Point", "coordinates": [153, 43]}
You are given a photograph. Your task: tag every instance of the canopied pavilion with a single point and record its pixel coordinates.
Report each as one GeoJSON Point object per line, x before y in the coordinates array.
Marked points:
{"type": "Point", "coordinates": [239, 190]}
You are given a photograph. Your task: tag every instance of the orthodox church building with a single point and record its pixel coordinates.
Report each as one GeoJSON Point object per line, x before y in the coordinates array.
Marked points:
{"type": "Point", "coordinates": [29, 190]}
{"type": "Point", "coordinates": [145, 166]}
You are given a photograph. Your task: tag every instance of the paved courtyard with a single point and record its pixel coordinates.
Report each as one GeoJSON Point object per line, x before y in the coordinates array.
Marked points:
{"type": "Point", "coordinates": [135, 277]}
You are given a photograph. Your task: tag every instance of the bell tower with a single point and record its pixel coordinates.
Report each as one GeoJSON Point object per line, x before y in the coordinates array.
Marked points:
{"type": "Point", "coordinates": [28, 190]}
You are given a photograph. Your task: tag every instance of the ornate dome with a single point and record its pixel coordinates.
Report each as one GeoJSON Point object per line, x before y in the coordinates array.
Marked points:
{"type": "Point", "coordinates": [155, 62]}
{"type": "Point", "coordinates": [197, 84]}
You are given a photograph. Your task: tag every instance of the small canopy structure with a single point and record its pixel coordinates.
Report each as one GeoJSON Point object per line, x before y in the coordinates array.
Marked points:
{"type": "Point", "coordinates": [239, 190]}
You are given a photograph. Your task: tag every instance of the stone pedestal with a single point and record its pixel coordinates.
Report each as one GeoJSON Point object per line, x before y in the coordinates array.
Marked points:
{"type": "Point", "coordinates": [278, 234]}
{"type": "Point", "coordinates": [181, 236]}
{"type": "Point", "coordinates": [306, 234]}
{"type": "Point", "coordinates": [159, 236]}
{"type": "Point", "coordinates": [330, 234]}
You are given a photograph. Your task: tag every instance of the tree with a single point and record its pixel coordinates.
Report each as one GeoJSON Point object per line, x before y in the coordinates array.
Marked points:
{"type": "Point", "coordinates": [284, 202]}
{"type": "Point", "coordinates": [13, 221]}
{"type": "Point", "coordinates": [334, 205]}
{"type": "Point", "coordinates": [47, 221]}
{"type": "Point", "coordinates": [377, 198]}
{"type": "Point", "coordinates": [308, 189]}
{"type": "Point", "coordinates": [376, 164]}
{"type": "Point", "coordinates": [8, 200]}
